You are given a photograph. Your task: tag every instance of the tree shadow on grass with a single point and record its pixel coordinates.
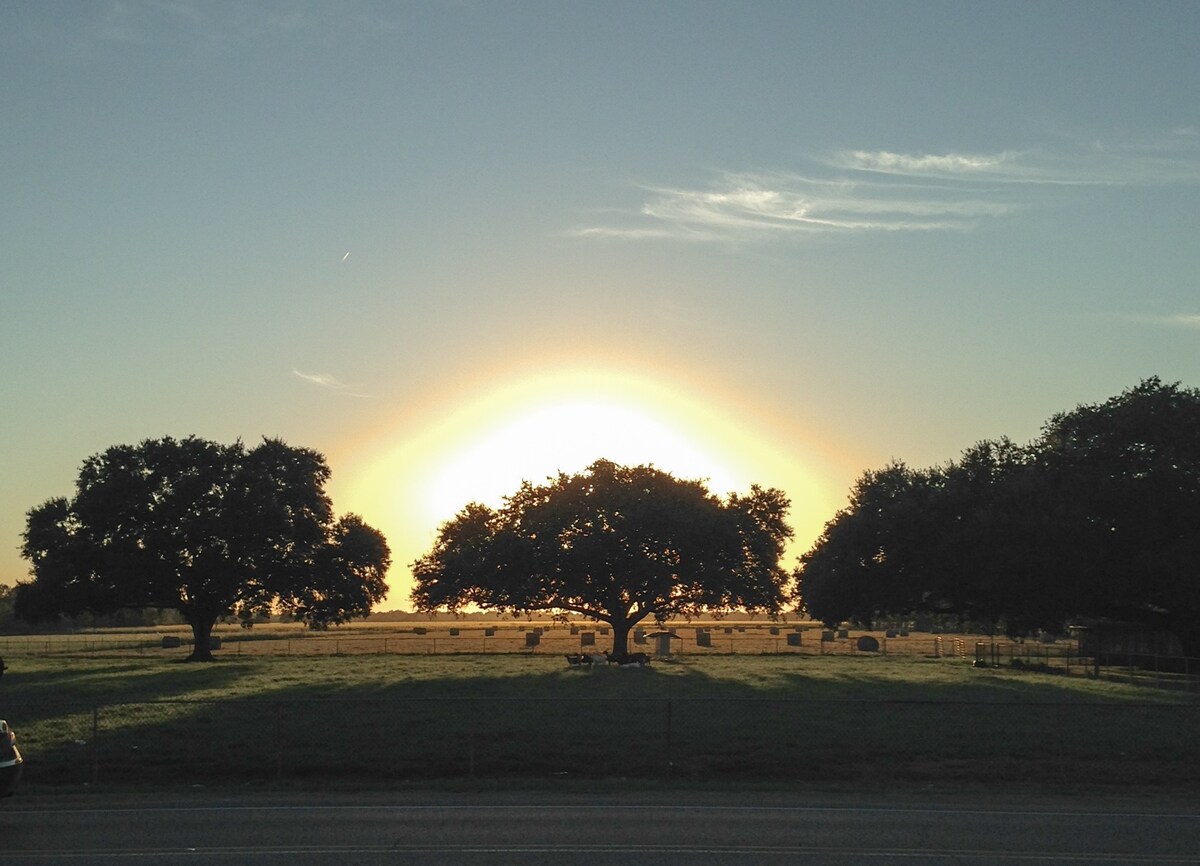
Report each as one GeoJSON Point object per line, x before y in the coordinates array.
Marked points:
{"type": "Point", "coordinates": [412, 718]}
{"type": "Point", "coordinates": [120, 680]}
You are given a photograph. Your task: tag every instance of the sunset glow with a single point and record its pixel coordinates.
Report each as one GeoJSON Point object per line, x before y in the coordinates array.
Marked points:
{"type": "Point", "coordinates": [535, 443]}
{"type": "Point", "coordinates": [529, 429]}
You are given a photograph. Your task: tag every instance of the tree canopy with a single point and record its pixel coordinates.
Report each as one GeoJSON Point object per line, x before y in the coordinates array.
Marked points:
{"type": "Point", "coordinates": [206, 529]}
{"type": "Point", "coordinates": [615, 544]}
{"type": "Point", "coordinates": [1098, 518]}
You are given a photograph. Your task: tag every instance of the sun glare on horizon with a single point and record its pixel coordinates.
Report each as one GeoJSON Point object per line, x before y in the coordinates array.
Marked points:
{"type": "Point", "coordinates": [531, 428]}
{"type": "Point", "coordinates": [537, 443]}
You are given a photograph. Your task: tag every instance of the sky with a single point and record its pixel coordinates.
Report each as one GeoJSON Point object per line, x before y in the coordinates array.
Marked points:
{"type": "Point", "coordinates": [454, 245]}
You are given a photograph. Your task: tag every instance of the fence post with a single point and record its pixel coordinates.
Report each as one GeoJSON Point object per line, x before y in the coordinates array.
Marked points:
{"type": "Point", "coordinates": [471, 740]}
{"type": "Point", "coordinates": [667, 749]}
{"type": "Point", "coordinates": [95, 743]}
{"type": "Point", "coordinates": [278, 740]}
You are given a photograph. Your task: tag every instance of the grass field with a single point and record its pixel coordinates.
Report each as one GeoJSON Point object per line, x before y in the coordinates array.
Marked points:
{"type": "Point", "coordinates": [389, 719]}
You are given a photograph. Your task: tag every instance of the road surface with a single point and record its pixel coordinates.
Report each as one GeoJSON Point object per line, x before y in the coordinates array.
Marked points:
{"type": "Point", "coordinates": [199, 828]}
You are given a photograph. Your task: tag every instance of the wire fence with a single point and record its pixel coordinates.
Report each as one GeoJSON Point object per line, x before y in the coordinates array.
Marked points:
{"type": "Point", "coordinates": [753, 640]}
{"type": "Point", "coordinates": [369, 741]}
{"type": "Point", "coordinates": [1049, 656]}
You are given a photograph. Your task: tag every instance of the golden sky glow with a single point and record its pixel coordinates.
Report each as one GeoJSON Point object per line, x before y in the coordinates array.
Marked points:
{"type": "Point", "coordinates": [411, 479]}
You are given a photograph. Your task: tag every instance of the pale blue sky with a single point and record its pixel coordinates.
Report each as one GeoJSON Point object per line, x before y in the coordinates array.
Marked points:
{"type": "Point", "coordinates": [860, 230]}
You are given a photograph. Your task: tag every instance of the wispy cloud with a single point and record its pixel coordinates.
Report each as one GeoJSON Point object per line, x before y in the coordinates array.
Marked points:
{"type": "Point", "coordinates": [209, 28]}
{"type": "Point", "coordinates": [743, 207]}
{"type": "Point", "coordinates": [1185, 320]}
{"type": "Point", "coordinates": [860, 191]}
{"type": "Point", "coordinates": [952, 164]}
{"type": "Point", "coordinates": [325, 380]}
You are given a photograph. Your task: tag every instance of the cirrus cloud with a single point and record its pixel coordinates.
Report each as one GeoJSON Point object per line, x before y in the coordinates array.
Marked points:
{"type": "Point", "coordinates": [324, 380]}
{"type": "Point", "coordinates": [864, 191]}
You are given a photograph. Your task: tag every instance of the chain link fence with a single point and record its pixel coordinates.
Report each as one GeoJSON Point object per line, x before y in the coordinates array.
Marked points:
{"type": "Point", "coordinates": [391, 740]}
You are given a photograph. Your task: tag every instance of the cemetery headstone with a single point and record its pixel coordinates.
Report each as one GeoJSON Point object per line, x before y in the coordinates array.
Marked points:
{"type": "Point", "coordinates": [868, 644]}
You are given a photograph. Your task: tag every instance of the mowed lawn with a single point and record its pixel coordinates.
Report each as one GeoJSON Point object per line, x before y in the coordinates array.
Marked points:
{"type": "Point", "coordinates": [377, 719]}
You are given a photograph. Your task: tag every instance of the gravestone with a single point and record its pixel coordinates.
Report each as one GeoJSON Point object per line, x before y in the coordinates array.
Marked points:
{"type": "Point", "coordinates": [868, 644]}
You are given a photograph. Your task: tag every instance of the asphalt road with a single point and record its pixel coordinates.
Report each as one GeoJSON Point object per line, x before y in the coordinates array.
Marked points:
{"type": "Point", "coordinates": [199, 828]}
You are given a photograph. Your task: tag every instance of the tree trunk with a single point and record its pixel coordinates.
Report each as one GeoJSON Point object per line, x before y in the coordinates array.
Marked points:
{"type": "Point", "coordinates": [620, 629]}
{"type": "Point", "coordinates": [201, 636]}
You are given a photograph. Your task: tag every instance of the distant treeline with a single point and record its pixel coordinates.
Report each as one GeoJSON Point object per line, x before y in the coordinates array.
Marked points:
{"type": "Point", "coordinates": [141, 618]}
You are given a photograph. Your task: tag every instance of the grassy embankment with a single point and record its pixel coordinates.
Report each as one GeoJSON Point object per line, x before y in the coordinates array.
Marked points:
{"type": "Point", "coordinates": [388, 719]}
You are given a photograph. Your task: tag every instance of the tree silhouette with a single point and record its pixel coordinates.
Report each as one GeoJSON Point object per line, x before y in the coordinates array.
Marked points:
{"type": "Point", "coordinates": [206, 529]}
{"type": "Point", "coordinates": [615, 544]}
{"type": "Point", "coordinates": [1097, 518]}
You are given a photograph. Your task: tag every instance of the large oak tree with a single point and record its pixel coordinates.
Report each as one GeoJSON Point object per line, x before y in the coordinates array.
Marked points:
{"type": "Point", "coordinates": [615, 544]}
{"type": "Point", "coordinates": [1098, 518]}
{"type": "Point", "coordinates": [206, 529]}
